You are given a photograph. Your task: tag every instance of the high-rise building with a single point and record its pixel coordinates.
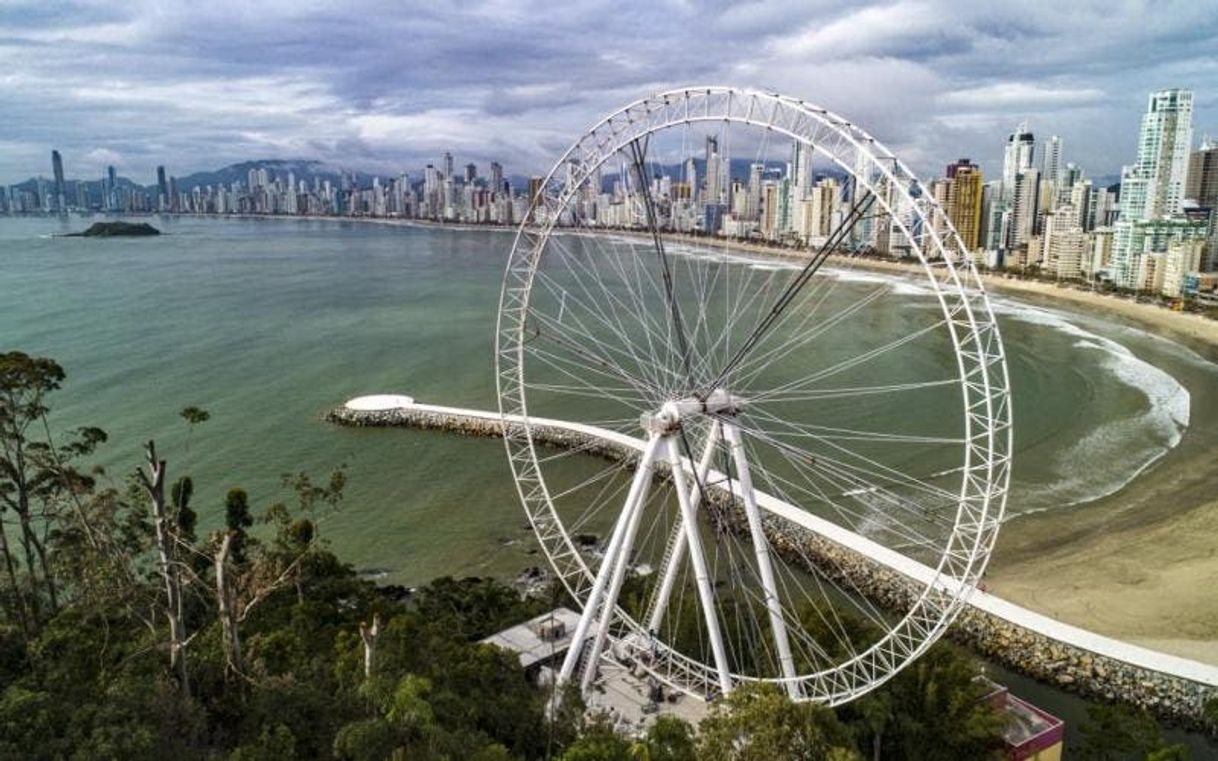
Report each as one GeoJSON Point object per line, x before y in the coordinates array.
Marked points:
{"type": "Point", "coordinates": [534, 198]}
{"type": "Point", "coordinates": [1202, 183]}
{"type": "Point", "coordinates": [714, 172]}
{"type": "Point", "coordinates": [1023, 207]}
{"type": "Point", "coordinates": [965, 188]}
{"type": "Point", "coordinates": [111, 189]}
{"type": "Point", "coordinates": [1020, 149]}
{"type": "Point", "coordinates": [61, 189]}
{"type": "Point", "coordinates": [448, 165]}
{"type": "Point", "coordinates": [497, 177]}
{"type": "Point", "coordinates": [162, 189]}
{"type": "Point", "coordinates": [1051, 160]}
{"type": "Point", "coordinates": [1152, 188]}
{"type": "Point", "coordinates": [471, 173]}
{"type": "Point", "coordinates": [1164, 143]}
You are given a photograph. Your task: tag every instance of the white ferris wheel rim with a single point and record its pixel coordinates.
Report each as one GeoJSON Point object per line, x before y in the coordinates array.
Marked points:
{"type": "Point", "coordinates": [980, 358]}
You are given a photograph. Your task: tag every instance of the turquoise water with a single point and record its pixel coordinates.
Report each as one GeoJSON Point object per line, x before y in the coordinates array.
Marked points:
{"type": "Point", "coordinates": [266, 323]}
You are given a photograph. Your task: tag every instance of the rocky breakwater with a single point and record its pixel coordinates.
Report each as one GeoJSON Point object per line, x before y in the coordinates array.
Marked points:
{"type": "Point", "coordinates": [471, 425]}
{"type": "Point", "coordinates": [1171, 696]}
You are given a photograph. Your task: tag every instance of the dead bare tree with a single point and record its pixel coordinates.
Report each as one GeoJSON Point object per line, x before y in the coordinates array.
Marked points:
{"type": "Point", "coordinates": [226, 605]}
{"type": "Point", "coordinates": [369, 634]}
{"type": "Point", "coordinates": [154, 483]}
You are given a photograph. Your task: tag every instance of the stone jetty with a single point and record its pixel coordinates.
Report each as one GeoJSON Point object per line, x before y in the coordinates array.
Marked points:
{"type": "Point", "coordinates": [1171, 688]}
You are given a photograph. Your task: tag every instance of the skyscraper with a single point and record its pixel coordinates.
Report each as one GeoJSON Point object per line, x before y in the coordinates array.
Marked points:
{"type": "Point", "coordinates": [1202, 183]}
{"type": "Point", "coordinates": [1021, 146]}
{"type": "Point", "coordinates": [1023, 211]}
{"type": "Point", "coordinates": [448, 166]}
{"type": "Point", "coordinates": [61, 190]}
{"type": "Point", "coordinates": [965, 186]}
{"type": "Point", "coordinates": [497, 177]}
{"type": "Point", "coordinates": [714, 171]}
{"type": "Point", "coordinates": [1163, 150]}
{"type": "Point", "coordinates": [471, 173]}
{"type": "Point", "coordinates": [1153, 187]}
{"type": "Point", "coordinates": [1051, 160]}
{"type": "Point", "coordinates": [111, 189]}
{"type": "Point", "coordinates": [162, 186]}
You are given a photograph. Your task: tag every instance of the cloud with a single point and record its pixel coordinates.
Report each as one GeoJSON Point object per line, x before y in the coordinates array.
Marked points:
{"type": "Point", "coordinates": [99, 157]}
{"type": "Point", "coordinates": [1021, 95]}
{"type": "Point", "coordinates": [392, 85]}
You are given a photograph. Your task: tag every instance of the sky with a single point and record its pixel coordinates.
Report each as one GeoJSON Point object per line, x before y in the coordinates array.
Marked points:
{"type": "Point", "coordinates": [390, 86]}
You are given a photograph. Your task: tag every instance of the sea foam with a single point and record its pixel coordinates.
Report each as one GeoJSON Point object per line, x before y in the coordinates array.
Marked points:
{"type": "Point", "coordinates": [1115, 452]}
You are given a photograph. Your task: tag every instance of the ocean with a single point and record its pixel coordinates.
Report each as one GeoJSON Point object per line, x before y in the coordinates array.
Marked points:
{"type": "Point", "coordinates": [267, 323]}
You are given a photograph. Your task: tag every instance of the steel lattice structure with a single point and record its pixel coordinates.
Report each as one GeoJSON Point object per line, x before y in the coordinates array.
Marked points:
{"type": "Point", "coordinates": [556, 325]}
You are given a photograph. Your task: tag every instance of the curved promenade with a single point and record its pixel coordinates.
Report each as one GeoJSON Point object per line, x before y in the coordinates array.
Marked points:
{"type": "Point", "coordinates": [1072, 658]}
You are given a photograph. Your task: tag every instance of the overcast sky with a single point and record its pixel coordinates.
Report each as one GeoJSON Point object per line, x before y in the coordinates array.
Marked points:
{"type": "Point", "coordinates": [390, 86]}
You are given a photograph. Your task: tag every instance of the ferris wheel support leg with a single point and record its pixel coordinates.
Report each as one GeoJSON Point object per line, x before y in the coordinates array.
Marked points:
{"type": "Point", "coordinates": [677, 555]}
{"type": "Point", "coordinates": [634, 500]}
{"type": "Point", "coordinates": [698, 559]}
{"type": "Point", "coordinates": [761, 549]}
{"type": "Point", "coordinates": [619, 564]}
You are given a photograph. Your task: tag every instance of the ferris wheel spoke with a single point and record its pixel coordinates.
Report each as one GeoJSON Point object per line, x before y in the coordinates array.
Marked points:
{"type": "Point", "coordinates": [580, 371]}
{"type": "Point", "coordinates": [847, 392]}
{"type": "Point", "coordinates": [861, 603]}
{"type": "Point", "coordinates": [627, 265]}
{"type": "Point", "coordinates": [855, 361]}
{"type": "Point", "coordinates": [579, 343]}
{"type": "Point", "coordinates": [638, 150]}
{"type": "Point", "coordinates": [792, 290]}
{"type": "Point", "coordinates": [869, 467]}
{"type": "Point", "coordinates": [842, 486]}
{"type": "Point", "coordinates": [639, 317]}
{"type": "Point", "coordinates": [625, 349]}
{"type": "Point", "coordinates": [747, 371]}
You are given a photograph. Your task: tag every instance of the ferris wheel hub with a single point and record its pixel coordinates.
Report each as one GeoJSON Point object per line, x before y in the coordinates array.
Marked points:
{"type": "Point", "coordinates": [669, 417]}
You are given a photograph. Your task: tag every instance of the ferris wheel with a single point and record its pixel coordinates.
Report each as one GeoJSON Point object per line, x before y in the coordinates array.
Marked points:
{"type": "Point", "coordinates": [757, 420]}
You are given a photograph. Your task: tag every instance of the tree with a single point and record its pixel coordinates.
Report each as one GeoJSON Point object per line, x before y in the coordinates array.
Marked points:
{"type": "Point", "coordinates": [670, 739]}
{"type": "Point", "coordinates": [600, 742]}
{"type": "Point", "coordinates": [1117, 731]}
{"type": "Point", "coordinates": [167, 541]}
{"type": "Point", "coordinates": [25, 382]}
{"type": "Point", "coordinates": [193, 416]}
{"type": "Point", "coordinates": [756, 722]}
{"type": "Point", "coordinates": [876, 713]}
{"type": "Point", "coordinates": [1170, 753]}
{"type": "Point", "coordinates": [237, 518]}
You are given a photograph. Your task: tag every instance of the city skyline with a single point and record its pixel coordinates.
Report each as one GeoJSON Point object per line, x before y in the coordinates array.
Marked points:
{"type": "Point", "coordinates": [197, 88]}
{"type": "Point", "coordinates": [1043, 213]}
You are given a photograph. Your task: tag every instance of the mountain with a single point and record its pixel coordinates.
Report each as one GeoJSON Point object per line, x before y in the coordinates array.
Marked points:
{"type": "Point", "coordinates": [303, 169]}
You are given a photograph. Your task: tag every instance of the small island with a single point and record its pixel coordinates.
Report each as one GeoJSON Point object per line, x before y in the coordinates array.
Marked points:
{"type": "Point", "coordinates": [116, 229]}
